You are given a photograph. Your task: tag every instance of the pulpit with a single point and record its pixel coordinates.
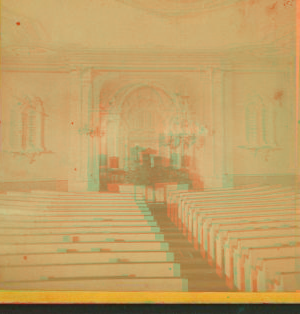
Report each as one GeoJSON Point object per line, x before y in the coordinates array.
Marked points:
{"type": "Point", "coordinates": [113, 162]}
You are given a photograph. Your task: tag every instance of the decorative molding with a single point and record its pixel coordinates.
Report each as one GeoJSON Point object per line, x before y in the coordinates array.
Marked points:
{"type": "Point", "coordinates": [179, 8]}
{"type": "Point", "coordinates": [31, 155]}
{"type": "Point", "coordinates": [264, 150]}
{"type": "Point", "coordinates": [92, 132]}
{"type": "Point", "coordinates": [27, 129]}
{"type": "Point", "coordinates": [67, 59]}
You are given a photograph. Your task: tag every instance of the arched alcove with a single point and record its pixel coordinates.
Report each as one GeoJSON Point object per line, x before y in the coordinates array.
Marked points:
{"type": "Point", "coordinates": [136, 119]}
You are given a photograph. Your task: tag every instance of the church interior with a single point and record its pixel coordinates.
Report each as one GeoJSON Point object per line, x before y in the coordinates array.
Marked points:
{"type": "Point", "coordinates": [149, 146]}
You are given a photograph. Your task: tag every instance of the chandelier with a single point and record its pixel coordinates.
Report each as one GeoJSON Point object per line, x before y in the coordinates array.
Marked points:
{"type": "Point", "coordinates": [185, 131]}
{"type": "Point", "coordinates": [92, 132]}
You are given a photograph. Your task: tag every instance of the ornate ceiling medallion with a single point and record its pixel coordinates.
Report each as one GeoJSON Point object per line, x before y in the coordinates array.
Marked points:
{"type": "Point", "coordinates": [179, 7]}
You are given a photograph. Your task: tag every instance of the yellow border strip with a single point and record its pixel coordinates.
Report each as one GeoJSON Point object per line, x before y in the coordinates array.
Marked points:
{"type": "Point", "coordinates": [146, 297]}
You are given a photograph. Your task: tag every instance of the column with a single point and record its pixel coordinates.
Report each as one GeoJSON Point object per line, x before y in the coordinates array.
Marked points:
{"type": "Point", "coordinates": [80, 152]}
{"type": "Point", "coordinates": [103, 162]}
{"type": "Point", "coordinates": [218, 126]}
{"type": "Point", "coordinates": [95, 143]}
{"type": "Point", "coordinates": [126, 154]}
{"type": "Point", "coordinates": [204, 154]}
{"type": "Point", "coordinates": [113, 141]}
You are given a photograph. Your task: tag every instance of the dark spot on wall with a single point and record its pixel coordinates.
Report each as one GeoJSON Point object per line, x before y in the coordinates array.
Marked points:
{"type": "Point", "coordinates": [271, 9]}
{"type": "Point", "coordinates": [288, 3]}
{"type": "Point", "coordinates": [18, 23]}
{"type": "Point", "coordinates": [278, 95]}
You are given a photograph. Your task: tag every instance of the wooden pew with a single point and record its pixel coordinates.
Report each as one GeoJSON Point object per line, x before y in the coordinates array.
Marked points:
{"type": "Point", "coordinates": [175, 196]}
{"type": "Point", "coordinates": [267, 268]}
{"type": "Point", "coordinates": [130, 194]}
{"type": "Point", "coordinates": [77, 237]}
{"type": "Point", "coordinates": [251, 222]}
{"type": "Point", "coordinates": [177, 200]}
{"type": "Point", "coordinates": [184, 199]}
{"type": "Point", "coordinates": [75, 224]}
{"type": "Point", "coordinates": [255, 254]}
{"type": "Point", "coordinates": [195, 233]}
{"type": "Point", "coordinates": [243, 244]}
{"type": "Point", "coordinates": [22, 205]}
{"type": "Point", "coordinates": [206, 220]}
{"type": "Point", "coordinates": [285, 282]}
{"type": "Point", "coordinates": [241, 249]}
{"type": "Point", "coordinates": [228, 235]}
{"type": "Point", "coordinates": [81, 230]}
{"type": "Point", "coordinates": [30, 248]}
{"type": "Point", "coordinates": [189, 214]}
{"type": "Point", "coordinates": [51, 212]}
{"type": "Point", "coordinates": [69, 203]}
{"type": "Point", "coordinates": [107, 216]}
{"type": "Point", "coordinates": [85, 258]}
{"type": "Point", "coordinates": [100, 270]}
{"type": "Point", "coordinates": [121, 284]}
{"type": "Point", "coordinates": [49, 241]}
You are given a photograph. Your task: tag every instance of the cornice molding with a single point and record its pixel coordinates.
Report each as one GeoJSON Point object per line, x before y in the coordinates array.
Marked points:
{"type": "Point", "coordinates": [179, 7]}
{"type": "Point", "coordinates": [67, 59]}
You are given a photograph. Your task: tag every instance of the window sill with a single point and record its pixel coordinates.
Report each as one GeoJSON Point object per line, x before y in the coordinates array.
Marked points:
{"type": "Point", "coordinates": [266, 149]}
{"type": "Point", "coordinates": [30, 154]}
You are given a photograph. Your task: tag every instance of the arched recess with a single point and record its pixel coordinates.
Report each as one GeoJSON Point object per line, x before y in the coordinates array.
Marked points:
{"type": "Point", "coordinates": [137, 115]}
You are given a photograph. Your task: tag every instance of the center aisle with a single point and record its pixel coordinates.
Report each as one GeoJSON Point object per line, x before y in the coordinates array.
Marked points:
{"type": "Point", "coordinates": [201, 276]}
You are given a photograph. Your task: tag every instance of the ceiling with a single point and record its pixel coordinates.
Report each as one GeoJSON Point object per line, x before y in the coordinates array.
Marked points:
{"type": "Point", "coordinates": [152, 24]}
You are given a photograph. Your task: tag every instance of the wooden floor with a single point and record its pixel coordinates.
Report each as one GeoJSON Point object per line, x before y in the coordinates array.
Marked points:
{"type": "Point", "coordinates": [201, 276]}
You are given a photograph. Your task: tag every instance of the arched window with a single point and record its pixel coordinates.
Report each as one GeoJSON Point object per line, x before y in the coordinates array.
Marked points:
{"type": "Point", "coordinates": [260, 123]}
{"type": "Point", "coordinates": [27, 126]}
